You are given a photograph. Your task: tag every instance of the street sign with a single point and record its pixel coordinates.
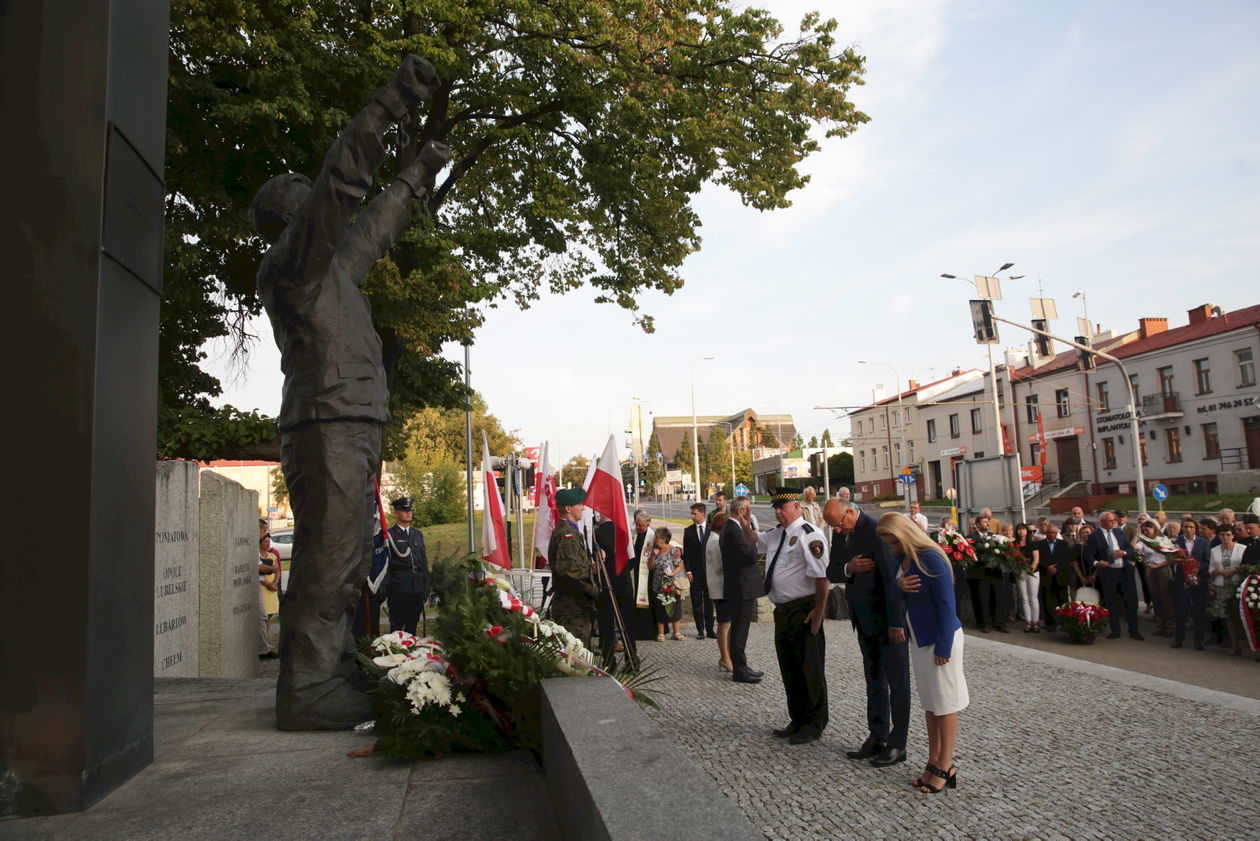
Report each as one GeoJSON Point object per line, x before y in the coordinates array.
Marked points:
{"type": "Point", "coordinates": [906, 479]}
{"type": "Point", "coordinates": [1159, 492]}
{"type": "Point", "coordinates": [741, 489]}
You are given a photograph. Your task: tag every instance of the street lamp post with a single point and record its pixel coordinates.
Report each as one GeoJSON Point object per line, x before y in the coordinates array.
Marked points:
{"type": "Point", "coordinates": [905, 492]}
{"type": "Point", "coordinates": [695, 439]}
{"type": "Point", "coordinates": [987, 294]}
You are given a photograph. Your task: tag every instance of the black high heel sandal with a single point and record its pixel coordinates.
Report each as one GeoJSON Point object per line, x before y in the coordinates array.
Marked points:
{"type": "Point", "coordinates": [925, 788]}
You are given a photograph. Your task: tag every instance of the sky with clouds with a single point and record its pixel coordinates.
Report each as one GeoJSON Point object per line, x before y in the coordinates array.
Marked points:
{"type": "Point", "coordinates": [1109, 148]}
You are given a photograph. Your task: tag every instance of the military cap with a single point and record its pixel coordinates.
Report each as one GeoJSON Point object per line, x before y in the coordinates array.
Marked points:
{"type": "Point", "coordinates": [1251, 518]}
{"type": "Point", "coordinates": [403, 503]}
{"type": "Point", "coordinates": [570, 496]}
{"type": "Point", "coordinates": [778, 496]}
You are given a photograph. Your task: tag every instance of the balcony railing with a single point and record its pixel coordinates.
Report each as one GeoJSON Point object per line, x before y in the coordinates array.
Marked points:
{"type": "Point", "coordinates": [1161, 405]}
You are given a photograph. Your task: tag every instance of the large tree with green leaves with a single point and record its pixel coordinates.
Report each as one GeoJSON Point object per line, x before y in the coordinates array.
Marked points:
{"type": "Point", "coordinates": [582, 133]}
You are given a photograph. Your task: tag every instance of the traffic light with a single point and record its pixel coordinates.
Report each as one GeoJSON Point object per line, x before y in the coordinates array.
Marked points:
{"type": "Point", "coordinates": [1043, 342]}
{"type": "Point", "coordinates": [983, 323]}
{"type": "Point", "coordinates": [1084, 358]}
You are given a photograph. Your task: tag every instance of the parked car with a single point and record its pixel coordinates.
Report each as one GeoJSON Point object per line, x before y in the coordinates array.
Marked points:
{"type": "Point", "coordinates": [282, 542]}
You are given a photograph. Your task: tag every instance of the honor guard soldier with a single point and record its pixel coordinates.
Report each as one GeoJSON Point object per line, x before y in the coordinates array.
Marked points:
{"type": "Point", "coordinates": [407, 582]}
{"type": "Point", "coordinates": [574, 599]}
{"type": "Point", "coordinates": [796, 583]}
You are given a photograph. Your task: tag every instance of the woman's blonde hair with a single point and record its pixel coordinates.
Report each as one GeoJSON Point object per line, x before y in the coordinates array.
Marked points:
{"type": "Point", "coordinates": [914, 541]}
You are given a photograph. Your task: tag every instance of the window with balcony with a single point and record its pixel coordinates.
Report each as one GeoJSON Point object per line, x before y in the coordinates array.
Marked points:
{"type": "Point", "coordinates": [1109, 453]}
{"type": "Point", "coordinates": [1104, 396]}
{"type": "Point", "coordinates": [975, 421]}
{"type": "Point", "coordinates": [1246, 367]}
{"type": "Point", "coordinates": [1173, 439]}
{"type": "Point", "coordinates": [1211, 441]}
{"type": "Point", "coordinates": [955, 430]}
{"type": "Point", "coordinates": [1203, 376]}
{"type": "Point", "coordinates": [931, 430]}
{"type": "Point", "coordinates": [1030, 403]}
{"type": "Point", "coordinates": [1063, 403]}
{"type": "Point", "coordinates": [1166, 381]}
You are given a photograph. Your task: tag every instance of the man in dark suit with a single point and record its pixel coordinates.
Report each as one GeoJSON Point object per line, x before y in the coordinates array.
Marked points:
{"type": "Point", "coordinates": [1190, 598]}
{"type": "Point", "coordinates": [1054, 566]}
{"type": "Point", "coordinates": [694, 537]}
{"type": "Point", "coordinates": [1107, 551]}
{"type": "Point", "coordinates": [876, 605]}
{"type": "Point", "coordinates": [742, 584]}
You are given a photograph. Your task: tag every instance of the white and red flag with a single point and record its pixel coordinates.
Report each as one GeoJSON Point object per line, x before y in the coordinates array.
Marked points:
{"type": "Point", "coordinates": [605, 495]}
{"type": "Point", "coordinates": [546, 515]}
{"type": "Point", "coordinates": [494, 546]}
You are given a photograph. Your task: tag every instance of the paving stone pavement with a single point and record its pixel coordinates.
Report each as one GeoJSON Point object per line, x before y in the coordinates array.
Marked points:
{"type": "Point", "coordinates": [1047, 750]}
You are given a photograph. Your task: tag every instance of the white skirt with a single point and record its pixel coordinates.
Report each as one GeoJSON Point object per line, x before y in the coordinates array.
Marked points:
{"type": "Point", "coordinates": [942, 689]}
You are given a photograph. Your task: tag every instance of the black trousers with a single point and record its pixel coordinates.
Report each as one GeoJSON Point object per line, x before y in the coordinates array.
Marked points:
{"type": "Point", "coordinates": [1190, 603]}
{"type": "Point", "coordinates": [329, 467]}
{"type": "Point", "coordinates": [702, 606]}
{"type": "Point", "coordinates": [404, 611]}
{"type": "Point", "coordinates": [1054, 592]}
{"type": "Point", "coordinates": [887, 668]}
{"type": "Point", "coordinates": [1117, 584]}
{"type": "Point", "coordinates": [802, 663]}
{"type": "Point", "coordinates": [739, 633]}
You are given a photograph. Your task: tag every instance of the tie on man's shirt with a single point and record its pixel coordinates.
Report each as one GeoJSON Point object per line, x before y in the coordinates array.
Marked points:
{"type": "Point", "coordinates": [773, 561]}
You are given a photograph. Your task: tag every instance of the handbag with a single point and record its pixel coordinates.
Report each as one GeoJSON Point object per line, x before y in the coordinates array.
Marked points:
{"type": "Point", "coordinates": [681, 584]}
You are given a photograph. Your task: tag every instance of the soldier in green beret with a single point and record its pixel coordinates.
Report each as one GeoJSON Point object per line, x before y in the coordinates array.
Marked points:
{"type": "Point", "coordinates": [575, 591]}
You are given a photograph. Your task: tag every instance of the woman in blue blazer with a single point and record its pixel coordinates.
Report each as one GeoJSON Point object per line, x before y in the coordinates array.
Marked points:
{"type": "Point", "coordinates": [936, 649]}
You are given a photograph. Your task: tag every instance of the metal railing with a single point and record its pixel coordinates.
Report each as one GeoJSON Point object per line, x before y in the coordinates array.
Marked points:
{"type": "Point", "coordinates": [1233, 458]}
{"type": "Point", "coordinates": [1161, 404]}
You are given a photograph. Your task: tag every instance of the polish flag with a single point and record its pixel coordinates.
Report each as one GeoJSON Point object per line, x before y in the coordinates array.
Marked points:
{"type": "Point", "coordinates": [546, 515]}
{"type": "Point", "coordinates": [605, 495]}
{"type": "Point", "coordinates": [494, 546]}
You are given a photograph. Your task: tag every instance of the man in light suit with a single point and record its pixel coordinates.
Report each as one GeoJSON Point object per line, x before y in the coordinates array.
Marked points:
{"type": "Point", "coordinates": [1054, 566]}
{"type": "Point", "coordinates": [742, 583]}
{"type": "Point", "coordinates": [1107, 552]}
{"type": "Point", "coordinates": [865, 564]}
{"type": "Point", "coordinates": [694, 538]}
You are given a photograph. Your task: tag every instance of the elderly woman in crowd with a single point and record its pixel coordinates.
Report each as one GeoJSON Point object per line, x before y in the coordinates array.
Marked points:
{"type": "Point", "coordinates": [936, 643]}
{"type": "Point", "coordinates": [1225, 560]}
{"type": "Point", "coordinates": [1158, 578]}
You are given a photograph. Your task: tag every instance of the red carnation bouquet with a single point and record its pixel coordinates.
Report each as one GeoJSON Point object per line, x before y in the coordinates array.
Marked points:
{"type": "Point", "coordinates": [956, 547]}
{"type": "Point", "coordinates": [1082, 620]}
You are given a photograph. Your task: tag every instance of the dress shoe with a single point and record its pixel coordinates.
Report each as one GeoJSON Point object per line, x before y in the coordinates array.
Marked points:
{"type": "Point", "coordinates": [1114, 635]}
{"type": "Point", "coordinates": [755, 673]}
{"type": "Point", "coordinates": [871, 747]}
{"type": "Point", "coordinates": [1134, 635]}
{"type": "Point", "coordinates": [783, 732]}
{"type": "Point", "coordinates": [889, 756]}
{"type": "Point", "coordinates": [746, 677]}
{"type": "Point", "coordinates": [699, 635]}
{"type": "Point", "coordinates": [804, 736]}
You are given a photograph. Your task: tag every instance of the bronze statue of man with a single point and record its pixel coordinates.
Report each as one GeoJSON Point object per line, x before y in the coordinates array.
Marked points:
{"type": "Point", "coordinates": [335, 399]}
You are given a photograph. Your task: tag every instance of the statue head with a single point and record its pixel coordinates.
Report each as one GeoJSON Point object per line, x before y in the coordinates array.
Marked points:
{"type": "Point", "coordinates": [276, 202]}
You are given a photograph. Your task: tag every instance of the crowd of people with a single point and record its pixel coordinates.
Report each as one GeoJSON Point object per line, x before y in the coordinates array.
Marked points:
{"type": "Point", "coordinates": [1128, 574]}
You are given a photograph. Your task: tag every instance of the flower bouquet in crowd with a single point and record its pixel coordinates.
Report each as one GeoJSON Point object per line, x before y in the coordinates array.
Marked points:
{"type": "Point", "coordinates": [1249, 609]}
{"type": "Point", "coordinates": [474, 686]}
{"type": "Point", "coordinates": [1175, 554]}
{"type": "Point", "coordinates": [669, 592]}
{"type": "Point", "coordinates": [956, 547]}
{"type": "Point", "coordinates": [998, 551]}
{"type": "Point", "coordinates": [1082, 620]}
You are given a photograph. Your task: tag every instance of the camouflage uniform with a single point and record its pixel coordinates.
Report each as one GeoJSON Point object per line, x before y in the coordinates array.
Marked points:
{"type": "Point", "coordinates": [575, 592]}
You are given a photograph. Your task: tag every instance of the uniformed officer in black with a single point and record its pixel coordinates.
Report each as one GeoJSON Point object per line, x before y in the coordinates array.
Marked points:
{"type": "Point", "coordinates": [407, 582]}
{"type": "Point", "coordinates": [796, 583]}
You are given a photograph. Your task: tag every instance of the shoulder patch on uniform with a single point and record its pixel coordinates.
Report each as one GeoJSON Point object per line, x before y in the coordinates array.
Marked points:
{"type": "Point", "coordinates": [807, 528]}
{"type": "Point", "coordinates": [816, 548]}
{"type": "Point", "coordinates": [567, 536]}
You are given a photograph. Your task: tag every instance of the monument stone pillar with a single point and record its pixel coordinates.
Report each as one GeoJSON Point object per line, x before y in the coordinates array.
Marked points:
{"type": "Point", "coordinates": [83, 112]}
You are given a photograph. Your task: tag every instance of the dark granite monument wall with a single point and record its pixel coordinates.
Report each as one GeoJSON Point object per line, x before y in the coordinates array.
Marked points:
{"type": "Point", "coordinates": [83, 118]}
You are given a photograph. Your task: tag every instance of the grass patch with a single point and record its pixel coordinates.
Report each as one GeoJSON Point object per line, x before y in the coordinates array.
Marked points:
{"type": "Point", "coordinates": [1198, 503]}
